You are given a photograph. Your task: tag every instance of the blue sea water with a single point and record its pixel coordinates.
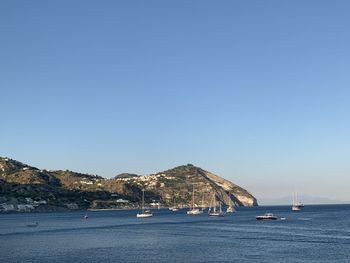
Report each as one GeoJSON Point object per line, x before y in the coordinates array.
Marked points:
{"type": "Point", "coordinates": [316, 234]}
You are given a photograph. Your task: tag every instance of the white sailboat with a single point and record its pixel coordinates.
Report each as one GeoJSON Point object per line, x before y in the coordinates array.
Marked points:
{"type": "Point", "coordinates": [203, 206]}
{"type": "Point", "coordinates": [213, 209]}
{"type": "Point", "coordinates": [296, 206]}
{"type": "Point", "coordinates": [193, 211]}
{"type": "Point", "coordinates": [230, 209]}
{"type": "Point", "coordinates": [144, 213]}
{"type": "Point", "coordinates": [174, 208]}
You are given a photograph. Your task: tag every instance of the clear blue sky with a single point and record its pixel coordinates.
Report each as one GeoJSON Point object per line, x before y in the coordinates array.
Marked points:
{"type": "Point", "coordinates": [255, 91]}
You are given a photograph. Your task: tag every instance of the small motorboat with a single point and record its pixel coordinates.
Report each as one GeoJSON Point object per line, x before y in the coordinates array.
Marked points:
{"type": "Point", "coordinates": [33, 225]}
{"type": "Point", "coordinates": [267, 216]}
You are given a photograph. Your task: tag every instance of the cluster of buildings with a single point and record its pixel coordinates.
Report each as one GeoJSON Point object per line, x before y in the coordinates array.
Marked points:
{"type": "Point", "coordinates": [149, 180]}
{"type": "Point", "coordinates": [28, 206]}
{"type": "Point", "coordinates": [89, 182]}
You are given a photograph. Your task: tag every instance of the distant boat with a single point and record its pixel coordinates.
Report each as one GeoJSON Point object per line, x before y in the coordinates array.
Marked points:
{"type": "Point", "coordinates": [295, 208]}
{"type": "Point", "coordinates": [213, 210]}
{"type": "Point", "coordinates": [194, 211]}
{"type": "Point", "coordinates": [33, 225]}
{"type": "Point", "coordinates": [230, 209]}
{"type": "Point", "coordinates": [144, 213]}
{"type": "Point", "coordinates": [296, 205]}
{"type": "Point", "coordinates": [203, 206]}
{"type": "Point", "coordinates": [86, 216]}
{"type": "Point", "coordinates": [267, 216]}
{"type": "Point", "coordinates": [174, 208]}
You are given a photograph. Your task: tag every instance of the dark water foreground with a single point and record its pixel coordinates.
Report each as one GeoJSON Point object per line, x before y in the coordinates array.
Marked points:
{"type": "Point", "coordinates": [316, 234]}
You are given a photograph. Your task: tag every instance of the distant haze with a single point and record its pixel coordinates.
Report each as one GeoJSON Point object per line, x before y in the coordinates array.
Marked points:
{"type": "Point", "coordinates": [254, 91]}
{"type": "Point", "coordinates": [306, 200]}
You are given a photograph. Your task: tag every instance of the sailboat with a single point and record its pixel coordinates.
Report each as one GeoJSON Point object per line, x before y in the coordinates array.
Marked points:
{"type": "Point", "coordinates": [296, 206]}
{"type": "Point", "coordinates": [203, 206]}
{"type": "Point", "coordinates": [213, 209]}
{"type": "Point", "coordinates": [193, 211]}
{"type": "Point", "coordinates": [174, 208]}
{"type": "Point", "coordinates": [144, 213]}
{"type": "Point", "coordinates": [230, 209]}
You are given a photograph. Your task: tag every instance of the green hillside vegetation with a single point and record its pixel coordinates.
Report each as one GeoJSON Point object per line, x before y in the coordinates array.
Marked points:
{"type": "Point", "coordinates": [64, 189]}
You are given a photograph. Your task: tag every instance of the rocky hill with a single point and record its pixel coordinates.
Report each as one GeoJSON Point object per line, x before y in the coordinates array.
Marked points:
{"type": "Point", "coordinates": [28, 187]}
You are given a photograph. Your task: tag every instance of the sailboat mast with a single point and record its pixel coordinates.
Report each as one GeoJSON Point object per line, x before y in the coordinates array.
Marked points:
{"type": "Point", "coordinates": [192, 196]}
{"type": "Point", "coordinates": [214, 203]}
{"type": "Point", "coordinates": [143, 199]}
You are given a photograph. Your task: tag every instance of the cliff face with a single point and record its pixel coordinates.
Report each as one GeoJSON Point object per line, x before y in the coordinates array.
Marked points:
{"type": "Point", "coordinates": [238, 194]}
{"type": "Point", "coordinates": [177, 183]}
{"type": "Point", "coordinates": [19, 181]}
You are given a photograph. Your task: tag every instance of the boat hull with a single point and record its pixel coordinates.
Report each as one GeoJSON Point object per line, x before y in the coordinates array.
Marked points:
{"type": "Point", "coordinates": [217, 214]}
{"type": "Point", "coordinates": [194, 212]}
{"type": "Point", "coordinates": [144, 215]}
{"type": "Point", "coordinates": [296, 209]}
{"type": "Point", "coordinates": [230, 210]}
{"type": "Point", "coordinates": [266, 219]}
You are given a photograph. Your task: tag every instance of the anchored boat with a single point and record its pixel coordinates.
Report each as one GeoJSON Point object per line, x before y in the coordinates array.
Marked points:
{"type": "Point", "coordinates": [194, 211]}
{"type": "Point", "coordinates": [267, 216]}
{"type": "Point", "coordinates": [296, 206]}
{"type": "Point", "coordinates": [144, 213]}
{"type": "Point", "coordinates": [230, 209]}
{"type": "Point", "coordinates": [213, 211]}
